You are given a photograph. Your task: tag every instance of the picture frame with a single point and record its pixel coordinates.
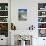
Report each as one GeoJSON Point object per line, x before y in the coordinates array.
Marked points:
{"type": "Point", "coordinates": [22, 14]}
{"type": "Point", "coordinates": [42, 33]}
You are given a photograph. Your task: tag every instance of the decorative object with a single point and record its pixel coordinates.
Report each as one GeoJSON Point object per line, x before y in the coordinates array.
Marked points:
{"type": "Point", "coordinates": [13, 27]}
{"type": "Point", "coordinates": [22, 14]}
{"type": "Point", "coordinates": [43, 25]}
{"type": "Point", "coordinates": [43, 13]}
{"type": "Point", "coordinates": [23, 40]}
{"type": "Point", "coordinates": [41, 6]}
{"type": "Point", "coordinates": [26, 38]}
{"type": "Point", "coordinates": [22, 43]}
{"type": "Point", "coordinates": [41, 19]}
{"type": "Point", "coordinates": [3, 13]}
{"type": "Point", "coordinates": [3, 6]}
{"type": "Point", "coordinates": [6, 7]}
{"type": "Point", "coordinates": [31, 27]}
{"type": "Point", "coordinates": [42, 32]}
{"type": "Point", "coordinates": [4, 29]}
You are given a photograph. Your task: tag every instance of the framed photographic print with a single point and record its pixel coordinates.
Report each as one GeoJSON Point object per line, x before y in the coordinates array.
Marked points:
{"type": "Point", "coordinates": [42, 32]}
{"type": "Point", "coordinates": [22, 14]}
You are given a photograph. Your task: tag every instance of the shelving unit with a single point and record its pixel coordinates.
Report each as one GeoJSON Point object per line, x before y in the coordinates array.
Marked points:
{"type": "Point", "coordinates": [4, 19]}
{"type": "Point", "coordinates": [42, 19]}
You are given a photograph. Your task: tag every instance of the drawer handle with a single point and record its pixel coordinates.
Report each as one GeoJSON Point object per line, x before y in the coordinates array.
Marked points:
{"type": "Point", "coordinates": [43, 39]}
{"type": "Point", "coordinates": [1, 39]}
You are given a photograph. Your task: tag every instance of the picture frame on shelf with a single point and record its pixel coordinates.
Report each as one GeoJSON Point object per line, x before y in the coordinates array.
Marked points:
{"type": "Point", "coordinates": [42, 32]}
{"type": "Point", "coordinates": [41, 13]}
{"type": "Point", "coordinates": [41, 6]}
{"type": "Point", "coordinates": [3, 13]}
{"type": "Point", "coordinates": [41, 19]}
{"type": "Point", "coordinates": [41, 25]}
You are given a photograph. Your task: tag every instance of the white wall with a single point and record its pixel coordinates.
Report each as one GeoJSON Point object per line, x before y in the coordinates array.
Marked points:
{"type": "Point", "coordinates": [32, 9]}
{"type": "Point", "coordinates": [32, 13]}
{"type": "Point", "coordinates": [31, 6]}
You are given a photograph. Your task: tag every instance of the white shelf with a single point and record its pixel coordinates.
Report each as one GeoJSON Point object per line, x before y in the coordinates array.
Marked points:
{"type": "Point", "coordinates": [41, 28]}
{"type": "Point", "coordinates": [41, 10]}
{"type": "Point", "coordinates": [3, 22]}
{"type": "Point", "coordinates": [3, 16]}
{"type": "Point", "coordinates": [41, 22]}
{"type": "Point", "coordinates": [42, 16]}
{"type": "Point", "coordinates": [3, 10]}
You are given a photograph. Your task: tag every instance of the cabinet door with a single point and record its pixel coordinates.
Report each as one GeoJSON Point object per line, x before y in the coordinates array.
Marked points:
{"type": "Point", "coordinates": [40, 42]}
